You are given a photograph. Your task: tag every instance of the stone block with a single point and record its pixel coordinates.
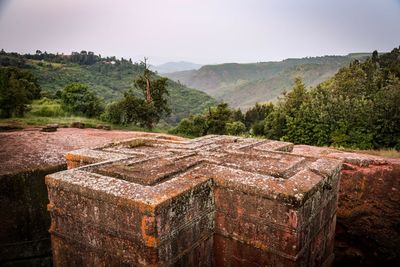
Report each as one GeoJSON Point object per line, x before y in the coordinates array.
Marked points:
{"type": "Point", "coordinates": [215, 200]}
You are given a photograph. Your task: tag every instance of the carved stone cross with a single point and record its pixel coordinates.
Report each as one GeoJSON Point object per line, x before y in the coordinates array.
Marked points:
{"type": "Point", "coordinates": [211, 201]}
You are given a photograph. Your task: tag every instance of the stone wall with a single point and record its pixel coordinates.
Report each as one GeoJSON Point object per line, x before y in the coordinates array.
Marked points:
{"type": "Point", "coordinates": [26, 156]}
{"type": "Point", "coordinates": [24, 236]}
{"type": "Point", "coordinates": [215, 200]}
{"type": "Point", "coordinates": [368, 215]}
{"type": "Point", "coordinates": [368, 218]}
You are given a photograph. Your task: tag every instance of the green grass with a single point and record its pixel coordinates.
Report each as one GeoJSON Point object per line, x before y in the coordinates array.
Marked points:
{"type": "Point", "coordinates": [44, 63]}
{"type": "Point", "coordinates": [38, 121]}
{"type": "Point", "coordinates": [32, 120]}
{"type": "Point", "coordinates": [111, 82]}
{"type": "Point", "coordinates": [47, 108]}
{"type": "Point", "coordinates": [107, 81]}
{"type": "Point", "coordinates": [49, 111]}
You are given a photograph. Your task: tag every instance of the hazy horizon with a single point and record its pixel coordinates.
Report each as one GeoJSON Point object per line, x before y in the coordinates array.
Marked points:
{"type": "Point", "coordinates": [202, 32]}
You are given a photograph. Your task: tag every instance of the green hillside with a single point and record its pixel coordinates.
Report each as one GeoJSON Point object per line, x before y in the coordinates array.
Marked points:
{"type": "Point", "coordinates": [108, 77]}
{"type": "Point", "coordinates": [242, 85]}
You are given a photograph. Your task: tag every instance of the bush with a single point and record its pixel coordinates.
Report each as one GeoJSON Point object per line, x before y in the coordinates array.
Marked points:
{"type": "Point", "coordinates": [47, 108]}
{"type": "Point", "coordinates": [131, 110]}
{"type": "Point", "coordinates": [79, 100]}
{"type": "Point", "coordinates": [17, 90]}
{"type": "Point", "coordinates": [217, 120]}
{"type": "Point", "coordinates": [113, 113]}
{"type": "Point", "coordinates": [217, 117]}
{"type": "Point", "coordinates": [194, 126]}
{"type": "Point", "coordinates": [258, 128]}
{"type": "Point", "coordinates": [235, 128]}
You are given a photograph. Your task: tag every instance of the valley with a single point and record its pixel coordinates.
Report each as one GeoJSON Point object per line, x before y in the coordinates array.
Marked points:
{"type": "Point", "coordinates": [243, 85]}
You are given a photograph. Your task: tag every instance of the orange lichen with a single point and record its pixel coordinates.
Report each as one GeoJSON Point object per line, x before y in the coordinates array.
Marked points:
{"type": "Point", "coordinates": [178, 194]}
{"type": "Point", "coordinates": [148, 231]}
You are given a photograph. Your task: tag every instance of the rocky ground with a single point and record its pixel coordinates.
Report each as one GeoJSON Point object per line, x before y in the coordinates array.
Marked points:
{"type": "Point", "coordinates": [31, 148]}
{"type": "Point", "coordinates": [368, 229]}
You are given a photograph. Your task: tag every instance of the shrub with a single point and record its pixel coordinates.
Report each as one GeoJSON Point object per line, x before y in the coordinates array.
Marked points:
{"type": "Point", "coordinates": [194, 126]}
{"type": "Point", "coordinates": [258, 128]}
{"type": "Point", "coordinates": [79, 100]}
{"type": "Point", "coordinates": [47, 108]}
{"type": "Point", "coordinates": [17, 90]}
{"type": "Point", "coordinates": [235, 128]}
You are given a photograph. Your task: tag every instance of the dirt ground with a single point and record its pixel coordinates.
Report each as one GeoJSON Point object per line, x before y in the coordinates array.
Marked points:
{"type": "Point", "coordinates": [30, 148]}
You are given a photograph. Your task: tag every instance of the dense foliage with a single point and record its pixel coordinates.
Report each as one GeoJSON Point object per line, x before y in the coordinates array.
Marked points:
{"type": "Point", "coordinates": [146, 111]}
{"type": "Point", "coordinates": [217, 120]}
{"type": "Point", "coordinates": [232, 82]}
{"type": "Point", "coordinates": [109, 77]}
{"type": "Point", "coordinates": [46, 107]}
{"type": "Point", "coordinates": [17, 90]}
{"type": "Point", "coordinates": [358, 108]}
{"type": "Point", "coordinates": [130, 110]}
{"type": "Point", "coordinates": [78, 99]}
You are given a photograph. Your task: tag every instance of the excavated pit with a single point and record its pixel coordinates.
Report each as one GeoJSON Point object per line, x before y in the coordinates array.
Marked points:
{"type": "Point", "coordinates": [368, 211]}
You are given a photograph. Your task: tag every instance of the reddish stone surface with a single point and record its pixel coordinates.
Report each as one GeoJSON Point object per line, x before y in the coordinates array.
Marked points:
{"type": "Point", "coordinates": [215, 200]}
{"type": "Point", "coordinates": [25, 158]}
{"type": "Point", "coordinates": [367, 233]}
{"type": "Point", "coordinates": [31, 149]}
{"type": "Point", "coordinates": [368, 218]}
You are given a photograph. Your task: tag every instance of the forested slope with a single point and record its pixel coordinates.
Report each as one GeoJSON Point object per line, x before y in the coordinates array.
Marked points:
{"type": "Point", "coordinates": [108, 77]}
{"type": "Point", "coordinates": [242, 85]}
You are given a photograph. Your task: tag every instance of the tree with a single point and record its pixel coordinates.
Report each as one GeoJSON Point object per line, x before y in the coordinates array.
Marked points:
{"type": "Point", "coordinates": [276, 122]}
{"type": "Point", "coordinates": [257, 113]}
{"type": "Point", "coordinates": [155, 94]}
{"type": "Point", "coordinates": [387, 111]}
{"type": "Point", "coordinates": [146, 111]}
{"type": "Point", "coordinates": [292, 100]}
{"type": "Point", "coordinates": [78, 99]}
{"type": "Point", "coordinates": [358, 108]}
{"type": "Point", "coordinates": [194, 126]}
{"type": "Point", "coordinates": [389, 62]}
{"type": "Point", "coordinates": [17, 90]}
{"type": "Point", "coordinates": [235, 128]}
{"type": "Point", "coordinates": [217, 118]}
{"type": "Point", "coordinates": [237, 115]}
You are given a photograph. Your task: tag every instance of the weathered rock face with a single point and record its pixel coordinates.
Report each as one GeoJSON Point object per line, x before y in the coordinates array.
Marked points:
{"type": "Point", "coordinates": [24, 220]}
{"type": "Point", "coordinates": [368, 218]}
{"type": "Point", "coordinates": [367, 230]}
{"type": "Point", "coordinates": [215, 200]}
{"type": "Point", "coordinates": [26, 157]}
{"type": "Point", "coordinates": [370, 213]}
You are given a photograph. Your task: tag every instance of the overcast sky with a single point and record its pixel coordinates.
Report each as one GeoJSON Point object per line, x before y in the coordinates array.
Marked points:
{"type": "Point", "coordinates": [201, 31]}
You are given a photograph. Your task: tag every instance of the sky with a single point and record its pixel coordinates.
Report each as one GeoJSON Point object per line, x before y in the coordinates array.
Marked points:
{"type": "Point", "coordinates": [201, 31]}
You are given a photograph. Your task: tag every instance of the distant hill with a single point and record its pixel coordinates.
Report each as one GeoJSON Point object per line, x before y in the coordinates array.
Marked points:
{"type": "Point", "coordinates": [242, 85]}
{"type": "Point", "coordinates": [108, 77]}
{"type": "Point", "coordinates": [175, 66]}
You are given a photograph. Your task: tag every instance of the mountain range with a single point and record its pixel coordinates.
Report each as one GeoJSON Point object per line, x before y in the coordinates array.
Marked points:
{"type": "Point", "coordinates": [243, 85]}
{"type": "Point", "coordinates": [175, 66]}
